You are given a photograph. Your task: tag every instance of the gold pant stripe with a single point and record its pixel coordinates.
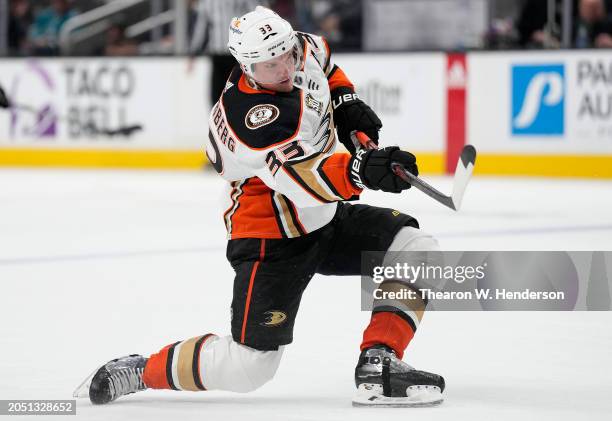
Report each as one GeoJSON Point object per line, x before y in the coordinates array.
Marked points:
{"type": "Point", "coordinates": [185, 365]}
{"type": "Point", "coordinates": [415, 305]}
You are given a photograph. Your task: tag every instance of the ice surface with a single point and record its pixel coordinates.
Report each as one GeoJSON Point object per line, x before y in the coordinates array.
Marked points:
{"type": "Point", "coordinates": [99, 264]}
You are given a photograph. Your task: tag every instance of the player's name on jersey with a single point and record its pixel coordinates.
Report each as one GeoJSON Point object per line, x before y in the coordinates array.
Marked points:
{"type": "Point", "coordinates": [480, 294]}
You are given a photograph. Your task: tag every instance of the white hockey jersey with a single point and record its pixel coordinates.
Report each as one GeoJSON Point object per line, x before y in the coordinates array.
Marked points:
{"type": "Point", "coordinates": [276, 150]}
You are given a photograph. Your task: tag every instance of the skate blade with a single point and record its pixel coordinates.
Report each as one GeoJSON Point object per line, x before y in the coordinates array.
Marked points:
{"type": "Point", "coordinates": [82, 391]}
{"type": "Point", "coordinates": [417, 397]}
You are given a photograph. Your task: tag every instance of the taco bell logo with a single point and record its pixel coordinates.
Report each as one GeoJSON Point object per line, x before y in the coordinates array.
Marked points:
{"type": "Point", "coordinates": [538, 100]}
{"type": "Point", "coordinates": [34, 87]}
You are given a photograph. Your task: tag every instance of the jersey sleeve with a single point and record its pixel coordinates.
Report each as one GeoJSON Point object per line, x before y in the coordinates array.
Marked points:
{"type": "Point", "coordinates": [307, 177]}
{"type": "Point", "coordinates": [338, 79]}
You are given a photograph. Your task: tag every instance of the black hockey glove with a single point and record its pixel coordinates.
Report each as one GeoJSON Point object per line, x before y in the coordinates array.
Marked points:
{"type": "Point", "coordinates": [372, 169]}
{"type": "Point", "coordinates": [352, 114]}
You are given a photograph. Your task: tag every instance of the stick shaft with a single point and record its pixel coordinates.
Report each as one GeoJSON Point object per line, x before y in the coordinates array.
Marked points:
{"type": "Point", "coordinates": [422, 185]}
{"type": "Point", "coordinates": [462, 176]}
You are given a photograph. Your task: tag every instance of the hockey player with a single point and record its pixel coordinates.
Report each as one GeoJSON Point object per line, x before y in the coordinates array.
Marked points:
{"type": "Point", "coordinates": [272, 138]}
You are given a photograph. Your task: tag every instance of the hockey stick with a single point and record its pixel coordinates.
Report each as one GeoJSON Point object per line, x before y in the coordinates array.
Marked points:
{"type": "Point", "coordinates": [6, 104]}
{"type": "Point", "coordinates": [463, 174]}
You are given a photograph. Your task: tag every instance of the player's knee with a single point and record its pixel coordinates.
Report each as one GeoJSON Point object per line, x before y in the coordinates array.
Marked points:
{"type": "Point", "coordinates": [262, 368]}
{"type": "Point", "coordinates": [413, 247]}
{"type": "Point", "coordinates": [425, 242]}
{"type": "Point", "coordinates": [413, 239]}
{"type": "Point", "coordinates": [228, 365]}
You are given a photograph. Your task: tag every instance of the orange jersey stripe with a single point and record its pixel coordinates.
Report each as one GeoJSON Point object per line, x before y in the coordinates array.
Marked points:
{"type": "Point", "coordinates": [254, 215]}
{"type": "Point", "coordinates": [335, 169]}
{"type": "Point", "coordinates": [257, 211]}
{"type": "Point", "coordinates": [339, 79]}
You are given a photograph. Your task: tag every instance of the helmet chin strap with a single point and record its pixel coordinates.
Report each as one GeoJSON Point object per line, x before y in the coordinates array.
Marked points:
{"type": "Point", "coordinates": [252, 82]}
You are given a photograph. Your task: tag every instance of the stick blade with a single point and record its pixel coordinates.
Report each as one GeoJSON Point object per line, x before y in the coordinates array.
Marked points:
{"type": "Point", "coordinates": [82, 390]}
{"type": "Point", "coordinates": [463, 174]}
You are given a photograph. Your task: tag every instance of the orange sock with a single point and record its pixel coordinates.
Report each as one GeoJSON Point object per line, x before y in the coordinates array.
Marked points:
{"type": "Point", "coordinates": [389, 329]}
{"type": "Point", "coordinates": [176, 366]}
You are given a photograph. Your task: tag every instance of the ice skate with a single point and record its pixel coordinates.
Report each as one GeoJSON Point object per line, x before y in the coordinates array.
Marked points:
{"type": "Point", "coordinates": [116, 378]}
{"type": "Point", "coordinates": [382, 379]}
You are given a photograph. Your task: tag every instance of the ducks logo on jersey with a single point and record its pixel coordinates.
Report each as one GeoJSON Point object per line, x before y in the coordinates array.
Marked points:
{"type": "Point", "coordinates": [260, 115]}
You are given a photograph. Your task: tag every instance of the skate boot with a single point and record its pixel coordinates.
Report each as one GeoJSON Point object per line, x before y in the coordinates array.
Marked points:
{"type": "Point", "coordinates": [382, 379]}
{"type": "Point", "coordinates": [117, 377]}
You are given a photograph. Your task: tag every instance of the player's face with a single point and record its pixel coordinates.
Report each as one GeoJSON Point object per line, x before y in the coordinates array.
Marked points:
{"type": "Point", "coordinates": [276, 74]}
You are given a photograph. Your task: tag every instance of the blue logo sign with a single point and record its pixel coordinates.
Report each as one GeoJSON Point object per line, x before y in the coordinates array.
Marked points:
{"type": "Point", "coordinates": [538, 100]}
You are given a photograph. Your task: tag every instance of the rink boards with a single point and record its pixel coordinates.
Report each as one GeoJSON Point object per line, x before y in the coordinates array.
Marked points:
{"type": "Point", "coordinates": [527, 113]}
